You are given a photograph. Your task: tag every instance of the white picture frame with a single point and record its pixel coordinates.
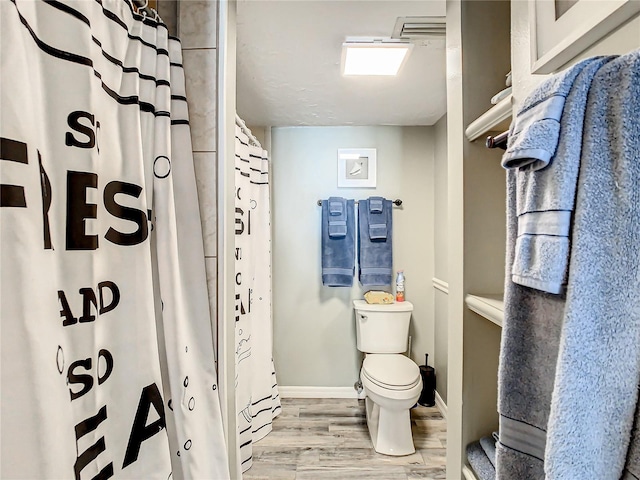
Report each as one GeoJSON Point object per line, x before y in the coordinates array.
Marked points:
{"type": "Point", "coordinates": [557, 39]}
{"type": "Point", "coordinates": [357, 167]}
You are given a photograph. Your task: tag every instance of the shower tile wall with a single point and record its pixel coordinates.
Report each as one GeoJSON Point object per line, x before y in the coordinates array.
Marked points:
{"type": "Point", "coordinates": [168, 11]}
{"type": "Point", "coordinates": [205, 166]}
{"type": "Point", "coordinates": [200, 76]}
{"type": "Point", "coordinates": [197, 24]}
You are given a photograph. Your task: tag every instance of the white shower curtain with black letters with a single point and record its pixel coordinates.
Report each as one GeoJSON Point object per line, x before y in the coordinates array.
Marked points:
{"type": "Point", "coordinates": [107, 355]}
{"type": "Point", "coordinates": [257, 398]}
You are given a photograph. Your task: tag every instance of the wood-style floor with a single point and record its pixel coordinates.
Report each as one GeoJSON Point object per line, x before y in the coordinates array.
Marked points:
{"type": "Point", "coordinates": [317, 439]}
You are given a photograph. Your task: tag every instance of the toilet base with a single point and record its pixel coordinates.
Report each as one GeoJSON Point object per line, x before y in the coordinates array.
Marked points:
{"type": "Point", "coordinates": [390, 430]}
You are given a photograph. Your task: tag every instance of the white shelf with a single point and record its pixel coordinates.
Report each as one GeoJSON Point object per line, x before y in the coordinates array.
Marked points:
{"type": "Point", "coordinates": [468, 473]}
{"type": "Point", "coordinates": [490, 307]}
{"type": "Point", "coordinates": [497, 117]}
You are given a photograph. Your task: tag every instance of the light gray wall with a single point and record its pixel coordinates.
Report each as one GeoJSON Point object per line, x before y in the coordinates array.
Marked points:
{"type": "Point", "coordinates": [622, 40]}
{"type": "Point", "coordinates": [440, 193]}
{"type": "Point", "coordinates": [314, 330]}
{"type": "Point", "coordinates": [439, 360]}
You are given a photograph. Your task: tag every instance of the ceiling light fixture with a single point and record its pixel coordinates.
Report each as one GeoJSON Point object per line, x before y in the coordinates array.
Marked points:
{"type": "Point", "coordinates": [373, 56]}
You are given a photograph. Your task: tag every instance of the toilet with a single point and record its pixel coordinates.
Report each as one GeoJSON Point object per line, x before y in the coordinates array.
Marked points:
{"type": "Point", "coordinates": [391, 380]}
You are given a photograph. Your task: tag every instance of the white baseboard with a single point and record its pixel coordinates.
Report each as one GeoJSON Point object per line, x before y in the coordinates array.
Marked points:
{"type": "Point", "coordinates": [319, 392]}
{"type": "Point", "coordinates": [441, 405]}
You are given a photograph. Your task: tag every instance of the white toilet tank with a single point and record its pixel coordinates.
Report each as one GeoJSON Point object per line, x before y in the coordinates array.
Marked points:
{"type": "Point", "coordinates": [382, 328]}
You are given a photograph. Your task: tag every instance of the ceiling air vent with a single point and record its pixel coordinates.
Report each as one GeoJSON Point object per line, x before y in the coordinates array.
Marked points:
{"type": "Point", "coordinates": [416, 28]}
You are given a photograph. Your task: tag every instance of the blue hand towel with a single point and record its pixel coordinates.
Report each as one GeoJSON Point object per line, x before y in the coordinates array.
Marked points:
{"type": "Point", "coordinates": [337, 217]}
{"type": "Point", "coordinates": [375, 204]}
{"type": "Point", "coordinates": [535, 130]}
{"type": "Point", "coordinates": [375, 256]}
{"type": "Point", "coordinates": [377, 219]}
{"type": "Point", "coordinates": [377, 231]}
{"type": "Point", "coordinates": [336, 206]}
{"type": "Point", "coordinates": [338, 253]}
{"type": "Point", "coordinates": [544, 147]}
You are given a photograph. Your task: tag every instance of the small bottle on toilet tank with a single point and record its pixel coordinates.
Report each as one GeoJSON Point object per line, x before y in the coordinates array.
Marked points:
{"type": "Point", "coordinates": [400, 286]}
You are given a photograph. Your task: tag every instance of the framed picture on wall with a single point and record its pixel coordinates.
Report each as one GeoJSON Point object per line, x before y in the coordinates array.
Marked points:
{"type": "Point", "coordinates": [562, 29]}
{"type": "Point", "coordinates": [356, 167]}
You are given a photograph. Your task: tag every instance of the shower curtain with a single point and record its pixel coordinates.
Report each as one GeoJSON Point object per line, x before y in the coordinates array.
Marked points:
{"type": "Point", "coordinates": [257, 399]}
{"type": "Point", "coordinates": [107, 354]}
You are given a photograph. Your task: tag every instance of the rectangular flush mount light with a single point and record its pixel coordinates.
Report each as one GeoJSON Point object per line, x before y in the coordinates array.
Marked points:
{"type": "Point", "coordinates": [373, 56]}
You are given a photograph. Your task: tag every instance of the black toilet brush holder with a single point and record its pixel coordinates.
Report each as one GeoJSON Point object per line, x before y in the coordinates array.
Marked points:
{"type": "Point", "coordinates": [428, 374]}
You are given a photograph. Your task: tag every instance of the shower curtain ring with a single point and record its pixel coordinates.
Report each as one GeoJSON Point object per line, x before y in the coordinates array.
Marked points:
{"type": "Point", "coordinates": [142, 9]}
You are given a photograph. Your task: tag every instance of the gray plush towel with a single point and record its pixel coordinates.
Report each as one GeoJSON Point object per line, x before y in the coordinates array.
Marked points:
{"type": "Point", "coordinates": [551, 119]}
{"type": "Point", "coordinates": [632, 467]}
{"type": "Point", "coordinates": [480, 462]}
{"type": "Point", "coordinates": [598, 366]}
{"type": "Point", "coordinates": [529, 347]}
{"type": "Point", "coordinates": [488, 444]}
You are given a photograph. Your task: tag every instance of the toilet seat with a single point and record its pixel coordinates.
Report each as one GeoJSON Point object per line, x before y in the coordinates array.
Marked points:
{"type": "Point", "coordinates": [391, 371]}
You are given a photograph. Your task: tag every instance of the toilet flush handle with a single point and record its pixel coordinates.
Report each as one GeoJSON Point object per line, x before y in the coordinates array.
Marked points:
{"type": "Point", "coordinates": [363, 317]}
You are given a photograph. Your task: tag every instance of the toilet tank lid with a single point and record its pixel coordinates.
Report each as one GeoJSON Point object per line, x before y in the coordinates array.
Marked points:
{"type": "Point", "coordinates": [389, 307]}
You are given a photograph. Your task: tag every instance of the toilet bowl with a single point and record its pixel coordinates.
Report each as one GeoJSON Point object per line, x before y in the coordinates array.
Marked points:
{"type": "Point", "coordinates": [392, 385]}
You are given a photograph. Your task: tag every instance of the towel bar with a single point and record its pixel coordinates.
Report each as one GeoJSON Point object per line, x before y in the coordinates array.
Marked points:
{"type": "Point", "coordinates": [499, 141]}
{"type": "Point", "coordinates": [397, 202]}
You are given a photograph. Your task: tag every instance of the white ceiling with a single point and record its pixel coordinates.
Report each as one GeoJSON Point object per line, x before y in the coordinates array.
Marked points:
{"type": "Point", "coordinates": [288, 65]}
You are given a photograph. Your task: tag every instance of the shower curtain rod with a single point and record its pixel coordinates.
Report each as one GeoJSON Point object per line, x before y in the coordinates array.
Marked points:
{"type": "Point", "coordinates": [397, 202]}
{"type": "Point", "coordinates": [247, 131]}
